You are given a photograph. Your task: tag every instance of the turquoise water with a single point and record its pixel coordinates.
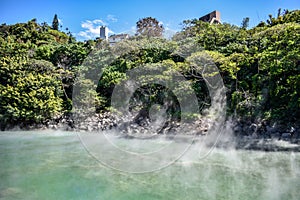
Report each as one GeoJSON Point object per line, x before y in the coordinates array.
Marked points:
{"type": "Point", "coordinates": [55, 165]}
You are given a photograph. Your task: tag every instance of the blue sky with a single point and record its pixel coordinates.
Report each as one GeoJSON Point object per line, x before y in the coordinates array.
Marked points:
{"type": "Point", "coordinates": [83, 18]}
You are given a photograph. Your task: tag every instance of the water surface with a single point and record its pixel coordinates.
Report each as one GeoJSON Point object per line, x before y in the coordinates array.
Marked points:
{"type": "Point", "coordinates": [55, 165]}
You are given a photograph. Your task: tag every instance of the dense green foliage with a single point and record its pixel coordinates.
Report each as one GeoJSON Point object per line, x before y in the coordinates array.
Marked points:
{"type": "Point", "coordinates": [259, 66]}
{"type": "Point", "coordinates": [37, 66]}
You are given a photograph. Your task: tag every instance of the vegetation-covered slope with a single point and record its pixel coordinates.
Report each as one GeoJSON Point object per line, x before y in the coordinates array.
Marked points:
{"type": "Point", "coordinates": [260, 68]}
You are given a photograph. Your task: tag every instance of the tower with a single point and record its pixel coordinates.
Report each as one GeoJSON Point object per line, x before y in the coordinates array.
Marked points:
{"type": "Point", "coordinates": [103, 32]}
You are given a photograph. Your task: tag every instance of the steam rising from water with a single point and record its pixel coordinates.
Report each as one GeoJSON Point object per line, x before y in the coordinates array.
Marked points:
{"type": "Point", "coordinates": [170, 150]}
{"type": "Point", "coordinates": [182, 166]}
{"type": "Point", "coordinates": [58, 167]}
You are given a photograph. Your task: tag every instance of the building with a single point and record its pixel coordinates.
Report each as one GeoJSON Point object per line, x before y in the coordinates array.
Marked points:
{"type": "Point", "coordinates": [104, 32]}
{"type": "Point", "coordinates": [113, 39]}
{"type": "Point", "coordinates": [212, 18]}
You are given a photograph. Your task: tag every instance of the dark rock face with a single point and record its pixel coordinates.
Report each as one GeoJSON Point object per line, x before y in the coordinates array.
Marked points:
{"type": "Point", "coordinates": [286, 136]}
{"type": "Point", "coordinates": [247, 134]}
{"type": "Point", "coordinates": [95, 122]}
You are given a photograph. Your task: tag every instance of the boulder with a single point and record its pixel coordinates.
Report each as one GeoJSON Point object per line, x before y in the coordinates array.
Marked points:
{"type": "Point", "coordinates": [275, 135]}
{"type": "Point", "coordinates": [286, 136]}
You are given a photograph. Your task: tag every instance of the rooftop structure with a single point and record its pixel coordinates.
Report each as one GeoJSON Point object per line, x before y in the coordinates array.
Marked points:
{"type": "Point", "coordinates": [212, 18]}
{"type": "Point", "coordinates": [113, 39]}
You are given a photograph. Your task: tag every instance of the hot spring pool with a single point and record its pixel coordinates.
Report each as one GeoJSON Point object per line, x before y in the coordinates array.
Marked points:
{"type": "Point", "coordinates": [55, 165]}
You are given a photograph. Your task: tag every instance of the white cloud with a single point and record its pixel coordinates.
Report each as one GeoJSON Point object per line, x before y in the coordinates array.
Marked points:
{"type": "Point", "coordinates": [99, 21]}
{"type": "Point", "coordinates": [110, 32]}
{"type": "Point", "coordinates": [92, 29]}
{"type": "Point", "coordinates": [111, 18]}
{"type": "Point", "coordinates": [84, 35]}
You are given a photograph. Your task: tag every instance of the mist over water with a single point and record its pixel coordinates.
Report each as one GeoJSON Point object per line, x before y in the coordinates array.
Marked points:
{"type": "Point", "coordinates": [55, 165]}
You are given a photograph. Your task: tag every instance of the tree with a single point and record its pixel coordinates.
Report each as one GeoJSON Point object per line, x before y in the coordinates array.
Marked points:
{"type": "Point", "coordinates": [55, 22]}
{"type": "Point", "coordinates": [149, 27]}
{"type": "Point", "coordinates": [245, 23]}
{"type": "Point", "coordinates": [30, 91]}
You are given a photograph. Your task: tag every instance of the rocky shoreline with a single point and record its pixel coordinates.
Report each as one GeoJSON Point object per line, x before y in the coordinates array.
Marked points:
{"type": "Point", "coordinates": [246, 134]}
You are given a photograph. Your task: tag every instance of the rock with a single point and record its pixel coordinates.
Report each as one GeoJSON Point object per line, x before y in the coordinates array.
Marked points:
{"type": "Point", "coordinates": [89, 128]}
{"type": "Point", "coordinates": [297, 134]}
{"type": "Point", "coordinates": [286, 136]}
{"type": "Point", "coordinates": [254, 135]}
{"type": "Point", "coordinates": [238, 129]}
{"type": "Point", "coordinates": [245, 129]}
{"type": "Point", "coordinates": [68, 128]}
{"type": "Point", "coordinates": [280, 128]}
{"type": "Point", "coordinates": [292, 130]}
{"type": "Point", "coordinates": [271, 129]}
{"type": "Point", "coordinates": [83, 127]}
{"type": "Point", "coordinates": [275, 135]}
{"type": "Point", "coordinates": [253, 127]}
